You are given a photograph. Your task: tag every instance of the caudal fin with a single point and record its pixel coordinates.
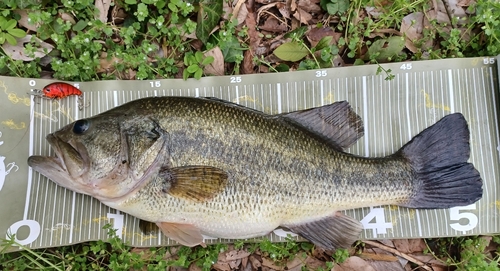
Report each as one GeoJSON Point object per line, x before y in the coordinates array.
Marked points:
{"type": "Point", "coordinates": [438, 156]}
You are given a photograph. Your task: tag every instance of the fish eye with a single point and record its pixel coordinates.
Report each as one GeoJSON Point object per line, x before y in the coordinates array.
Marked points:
{"type": "Point", "coordinates": [81, 126]}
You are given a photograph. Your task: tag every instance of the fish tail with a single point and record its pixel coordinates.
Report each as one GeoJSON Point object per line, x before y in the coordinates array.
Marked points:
{"type": "Point", "coordinates": [438, 157]}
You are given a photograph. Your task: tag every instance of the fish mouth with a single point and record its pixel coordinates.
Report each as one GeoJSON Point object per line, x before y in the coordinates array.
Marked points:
{"type": "Point", "coordinates": [69, 165]}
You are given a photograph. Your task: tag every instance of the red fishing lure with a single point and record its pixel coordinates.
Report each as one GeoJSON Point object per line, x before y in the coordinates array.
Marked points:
{"type": "Point", "coordinates": [59, 90]}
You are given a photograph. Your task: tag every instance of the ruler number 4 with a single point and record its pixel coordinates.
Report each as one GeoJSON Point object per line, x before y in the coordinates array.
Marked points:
{"type": "Point", "coordinates": [375, 221]}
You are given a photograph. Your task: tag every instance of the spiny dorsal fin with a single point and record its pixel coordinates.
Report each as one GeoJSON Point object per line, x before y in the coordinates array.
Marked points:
{"type": "Point", "coordinates": [336, 123]}
{"type": "Point", "coordinates": [198, 183]}
{"type": "Point", "coordinates": [337, 231]}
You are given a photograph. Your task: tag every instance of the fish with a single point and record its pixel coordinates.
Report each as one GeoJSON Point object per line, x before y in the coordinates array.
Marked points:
{"type": "Point", "coordinates": [205, 166]}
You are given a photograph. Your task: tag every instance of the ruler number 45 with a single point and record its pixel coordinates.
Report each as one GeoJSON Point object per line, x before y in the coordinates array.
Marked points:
{"type": "Point", "coordinates": [406, 66]}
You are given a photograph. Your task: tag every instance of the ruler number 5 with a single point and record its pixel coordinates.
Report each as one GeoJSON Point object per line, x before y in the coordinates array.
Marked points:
{"type": "Point", "coordinates": [456, 214]}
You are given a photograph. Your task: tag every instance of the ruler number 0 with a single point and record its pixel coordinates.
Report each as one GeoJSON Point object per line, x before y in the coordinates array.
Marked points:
{"type": "Point", "coordinates": [488, 60]}
{"type": "Point", "coordinates": [235, 79]}
{"type": "Point", "coordinates": [406, 66]}
{"type": "Point", "coordinates": [321, 73]}
{"type": "Point", "coordinates": [456, 214]}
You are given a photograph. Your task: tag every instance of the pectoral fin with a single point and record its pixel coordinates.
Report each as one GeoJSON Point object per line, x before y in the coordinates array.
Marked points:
{"type": "Point", "coordinates": [337, 231]}
{"type": "Point", "coordinates": [198, 183]}
{"type": "Point", "coordinates": [185, 234]}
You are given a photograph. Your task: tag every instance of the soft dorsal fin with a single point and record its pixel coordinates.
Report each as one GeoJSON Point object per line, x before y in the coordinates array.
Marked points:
{"type": "Point", "coordinates": [336, 123]}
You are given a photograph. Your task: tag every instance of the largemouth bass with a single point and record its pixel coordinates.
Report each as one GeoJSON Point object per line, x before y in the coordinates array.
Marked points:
{"type": "Point", "coordinates": [201, 166]}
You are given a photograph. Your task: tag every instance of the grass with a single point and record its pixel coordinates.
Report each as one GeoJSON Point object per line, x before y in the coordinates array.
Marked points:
{"type": "Point", "coordinates": [147, 39]}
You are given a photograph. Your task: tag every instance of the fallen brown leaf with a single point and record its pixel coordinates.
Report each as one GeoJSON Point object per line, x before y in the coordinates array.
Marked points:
{"type": "Point", "coordinates": [217, 66]}
{"type": "Point", "coordinates": [410, 245]}
{"type": "Point", "coordinates": [103, 7]}
{"type": "Point", "coordinates": [25, 22]}
{"type": "Point", "coordinates": [18, 51]}
{"type": "Point", "coordinates": [303, 16]}
{"type": "Point", "coordinates": [353, 263]}
{"type": "Point", "coordinates": [314, 35]}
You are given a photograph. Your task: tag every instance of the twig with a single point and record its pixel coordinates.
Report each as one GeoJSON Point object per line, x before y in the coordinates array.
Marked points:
{"type": "Point", "coordinates": [396, 252]}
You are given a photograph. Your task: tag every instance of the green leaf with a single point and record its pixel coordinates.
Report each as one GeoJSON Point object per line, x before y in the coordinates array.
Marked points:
{"type": "Point", "coordinates": [384, 49]}
{"type": "Point", "coordinates": [337, 7]}
{"type": "Point", "coordinates": [193, 68]}
{"type": "Point", "coordinates": [2, 37]}
{"type": "Point", "coordinates": [282, 67]}
{"type": "Point", "coordinates": [131, 2]}
{"type": "Point", "coordinates": [324, 42]}
{"type": "Point", "coordinates": [173, 7]}
{"type": "Point", "coordinates": [18, 33]}
{"type": "Point", "coordinates": [185, 74]}
{"type": "Point", "coordinates": [10, 39]}
{"type": "Point", "coordinates": [291, 51]}
{"type": "Point", "coordinates": [197, 75]}
{"type": "Point", "coordinates": [298, 32]}
{"type": "Point", "coordinates": [10, 24]}
{"type": "Point", "coordinates": [207, 60]}
{"type": "Point", "coordinates": [80, 25]}
{"type": "Point", "coordinates": [199, 56]}
{"type": "Point", "coordinates": [208, 17]}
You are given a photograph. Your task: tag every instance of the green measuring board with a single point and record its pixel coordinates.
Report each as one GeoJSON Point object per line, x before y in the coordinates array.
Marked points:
{"type": "Point", "coordinates": [42, 214]}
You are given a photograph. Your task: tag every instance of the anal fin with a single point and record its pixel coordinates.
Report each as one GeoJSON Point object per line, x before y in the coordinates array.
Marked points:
{"type": "Point", "coordinates": [337, 231]}
{"type": "Point", "coordinates": [185, 234]}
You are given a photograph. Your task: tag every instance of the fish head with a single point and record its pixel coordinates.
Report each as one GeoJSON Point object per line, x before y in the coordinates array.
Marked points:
{"type": "Point", "coordinates": [106, 156]}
